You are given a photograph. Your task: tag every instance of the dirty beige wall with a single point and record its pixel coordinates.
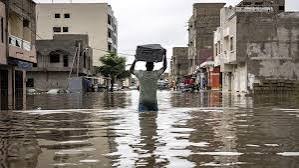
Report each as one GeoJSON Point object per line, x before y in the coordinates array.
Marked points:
{"type": "Point", "coordinates": [270, 45]}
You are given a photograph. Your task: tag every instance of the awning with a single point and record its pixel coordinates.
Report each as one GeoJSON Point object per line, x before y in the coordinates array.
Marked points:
{"type": "Point", "coordinates": [207, 64]}
{"type": "Point", "coordinates": [20, 64]}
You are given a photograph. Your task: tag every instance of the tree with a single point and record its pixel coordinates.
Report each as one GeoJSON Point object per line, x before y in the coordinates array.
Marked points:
{"type": "Point", "coordinates": [113, 67]}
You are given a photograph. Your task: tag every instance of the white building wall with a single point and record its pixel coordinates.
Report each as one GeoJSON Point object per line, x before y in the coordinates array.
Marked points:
{"type": "Point", "coordinates": [239, 80]}
{"type": "Point", "coordinates": [85, 18]}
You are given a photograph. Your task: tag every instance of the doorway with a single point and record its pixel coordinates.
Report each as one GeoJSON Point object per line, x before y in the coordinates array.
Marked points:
{"type": "Point", "coordinates": [4, 89]}
{"type": "Point", "coordinates": [19, 90]}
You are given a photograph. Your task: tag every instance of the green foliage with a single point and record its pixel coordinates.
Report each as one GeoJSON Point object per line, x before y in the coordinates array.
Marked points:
{"type": "Point", "coordinates": [113, 66]}
{"type": "Point", "coordinates": [124, 74]}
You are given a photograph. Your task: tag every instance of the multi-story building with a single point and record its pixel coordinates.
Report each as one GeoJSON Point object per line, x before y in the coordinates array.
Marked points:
{"type": "Point", "coordinates": [255, 45]}
{"type": "Point", "coordinates": [17, 50]}
{"type": "Point", "coordinates": [202, 24]}
{"type": "Point", "coordinates": [97, 21]}
{"type": "Point", "coordinates": [179, 66]}
{"type": "Point", "coordinates": [64, 56]}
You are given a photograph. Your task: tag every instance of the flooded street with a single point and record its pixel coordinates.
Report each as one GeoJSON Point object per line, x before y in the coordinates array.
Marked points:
{"type": "Point", "coordinates": [190, 130]}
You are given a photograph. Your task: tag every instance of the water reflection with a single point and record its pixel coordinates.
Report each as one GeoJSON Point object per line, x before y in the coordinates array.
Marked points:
{"type": "Point", "coordinates": [148, 139]}
{"type": "Point", "coordinates": [207, 129]}
{"type": "Point", "coordinates": [18, 144]}
{"type": "Point", "coordinates": [202, 99]}
{"type": "Point", "coordinates": [80, 101]}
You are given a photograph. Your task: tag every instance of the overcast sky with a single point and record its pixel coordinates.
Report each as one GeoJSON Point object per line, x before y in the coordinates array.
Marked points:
{"type": "Point", "coordinates": [155, 21]}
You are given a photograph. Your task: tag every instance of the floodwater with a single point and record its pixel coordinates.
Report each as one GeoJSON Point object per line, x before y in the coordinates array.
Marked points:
{"type": "Point", "coordinates": [191, 130]}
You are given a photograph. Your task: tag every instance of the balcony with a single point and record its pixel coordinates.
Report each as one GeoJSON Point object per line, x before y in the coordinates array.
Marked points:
{"type": "Point", "coordinates": [18, 42]}
{"type": "Point", "coordinates": [227, 57]}
{"type": "Point", "coordinates": [21, 49]}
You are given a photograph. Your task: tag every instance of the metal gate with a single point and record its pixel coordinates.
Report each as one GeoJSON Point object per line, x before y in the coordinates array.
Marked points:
{"type": "Point", "coordinates": [19, 90]}
{"type": "Point", "coordinates": [4, 89]}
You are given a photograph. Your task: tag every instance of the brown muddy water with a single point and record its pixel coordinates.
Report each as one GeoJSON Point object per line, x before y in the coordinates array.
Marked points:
{"type": "Point", "coordinates": [191, 130]}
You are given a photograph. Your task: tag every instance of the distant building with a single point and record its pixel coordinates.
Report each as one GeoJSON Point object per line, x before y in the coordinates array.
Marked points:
{"type": "Point", "coordinates": [57, 60]}
{"type": "Point", "coordinates": [17, 50]}
{"type": "Point", "coordinates": [179, 67]}
{"type": "Point", "coordinates": [257, 48]}
{"type": "Point", "coordinates": [202, 24]}
{"type": "Point", "coordinates": [94, 19]}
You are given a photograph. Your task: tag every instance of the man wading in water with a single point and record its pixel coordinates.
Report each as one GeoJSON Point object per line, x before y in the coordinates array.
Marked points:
{"type": "Point", "coordinates": [148, 85]}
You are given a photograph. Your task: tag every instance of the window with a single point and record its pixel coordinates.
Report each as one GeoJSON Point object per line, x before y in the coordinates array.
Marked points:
{"type": "Point", "coordinates": [109, 20]}
{"type": "Point", "coordinates": [30, 83]}
{"type": "Point", "coordinates": [232, 43]}
{"type": "Point", "coordinates": [57, 15]}
{"type": "Point", "coordinates": [109, 33]}
{"type": "Point", "coordinates": [109, 47]}
{"type": "Point", "coordinates": [26, 23]}
{"type": "Point", "coordinates": [65, 29]}
{"type": "Point", "coordinates": [56, 29]}
{"type": "Point", "coordinates": [2, 30]}
{"type": "Point", "coordinates": [54, 58]}
{"type": "Point", "coordinates": [65, 61]}
{"type": "Point", "coordinates": [281, 8]}
{"type": "Point", "coordinates": [259, 3]}
{"type": "Point", "coordinates": [67, 15]}
{"type": "Point", "coordinates": [219, 46]}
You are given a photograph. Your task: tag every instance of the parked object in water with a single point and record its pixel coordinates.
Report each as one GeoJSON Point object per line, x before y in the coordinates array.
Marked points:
{"type": "Point", "coordinates": [133, 87]}
{"type": "Point", "coordinates": [58, 91]}
{"type": "Point", "coordinates": [150, 53]}
{"type": "Point", "coordinates": [163, 85]}
{"type": "Point", "coordinates": [116, 87]}
{"type": "Point", "coordinates": [32, 91]}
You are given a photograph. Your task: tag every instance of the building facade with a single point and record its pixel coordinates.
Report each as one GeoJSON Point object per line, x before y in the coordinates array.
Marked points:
{"type": "Point", "coordinates": [255, 46]}
{"type": "Point", "coordinates": [179, 67]}
{"type": "Point", "coordinates": [202, 24]}
{"type": "Point", "coordinates": [59, 59]}
{"type": "Point", "coordinates": [97, 21]}
{"type": "Point", "coordinates": [17, 50]}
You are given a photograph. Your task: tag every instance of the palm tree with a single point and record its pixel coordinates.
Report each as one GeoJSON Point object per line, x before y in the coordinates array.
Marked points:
{"type": "Point", "coordinates": [113, 67]}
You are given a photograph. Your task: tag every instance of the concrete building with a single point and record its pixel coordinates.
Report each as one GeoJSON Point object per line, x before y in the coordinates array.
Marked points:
{"type": "Point", "coordinates": [202, 24]}
{"type": "Point", "coordinates": [179, 64]}
{"type": "Point", "coordinates": [94, 19]}
{"type": "Point", "coordinates": [17, 50]}
{"type": "Point", "coordinates": [57, 61]}
{"type": "Point", "coordinates": [257, 48]}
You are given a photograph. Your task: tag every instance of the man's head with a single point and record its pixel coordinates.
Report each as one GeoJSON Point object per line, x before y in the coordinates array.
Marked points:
{"type": "Point", "coordinates": [149, 66]}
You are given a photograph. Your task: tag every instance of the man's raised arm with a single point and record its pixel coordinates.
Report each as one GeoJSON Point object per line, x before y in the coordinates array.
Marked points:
{"type": "Point", "coordinates": [132, 69]}
{"type": "Point", "coordinates": [164, 64]}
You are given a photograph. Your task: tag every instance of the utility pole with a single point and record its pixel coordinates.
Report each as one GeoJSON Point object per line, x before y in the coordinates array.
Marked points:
{"type": "Point", "coordinates": [78, 58]}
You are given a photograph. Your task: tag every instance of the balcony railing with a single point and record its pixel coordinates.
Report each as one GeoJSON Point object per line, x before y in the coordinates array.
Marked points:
{"type": "Point", "coordinates": [18, 42]}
